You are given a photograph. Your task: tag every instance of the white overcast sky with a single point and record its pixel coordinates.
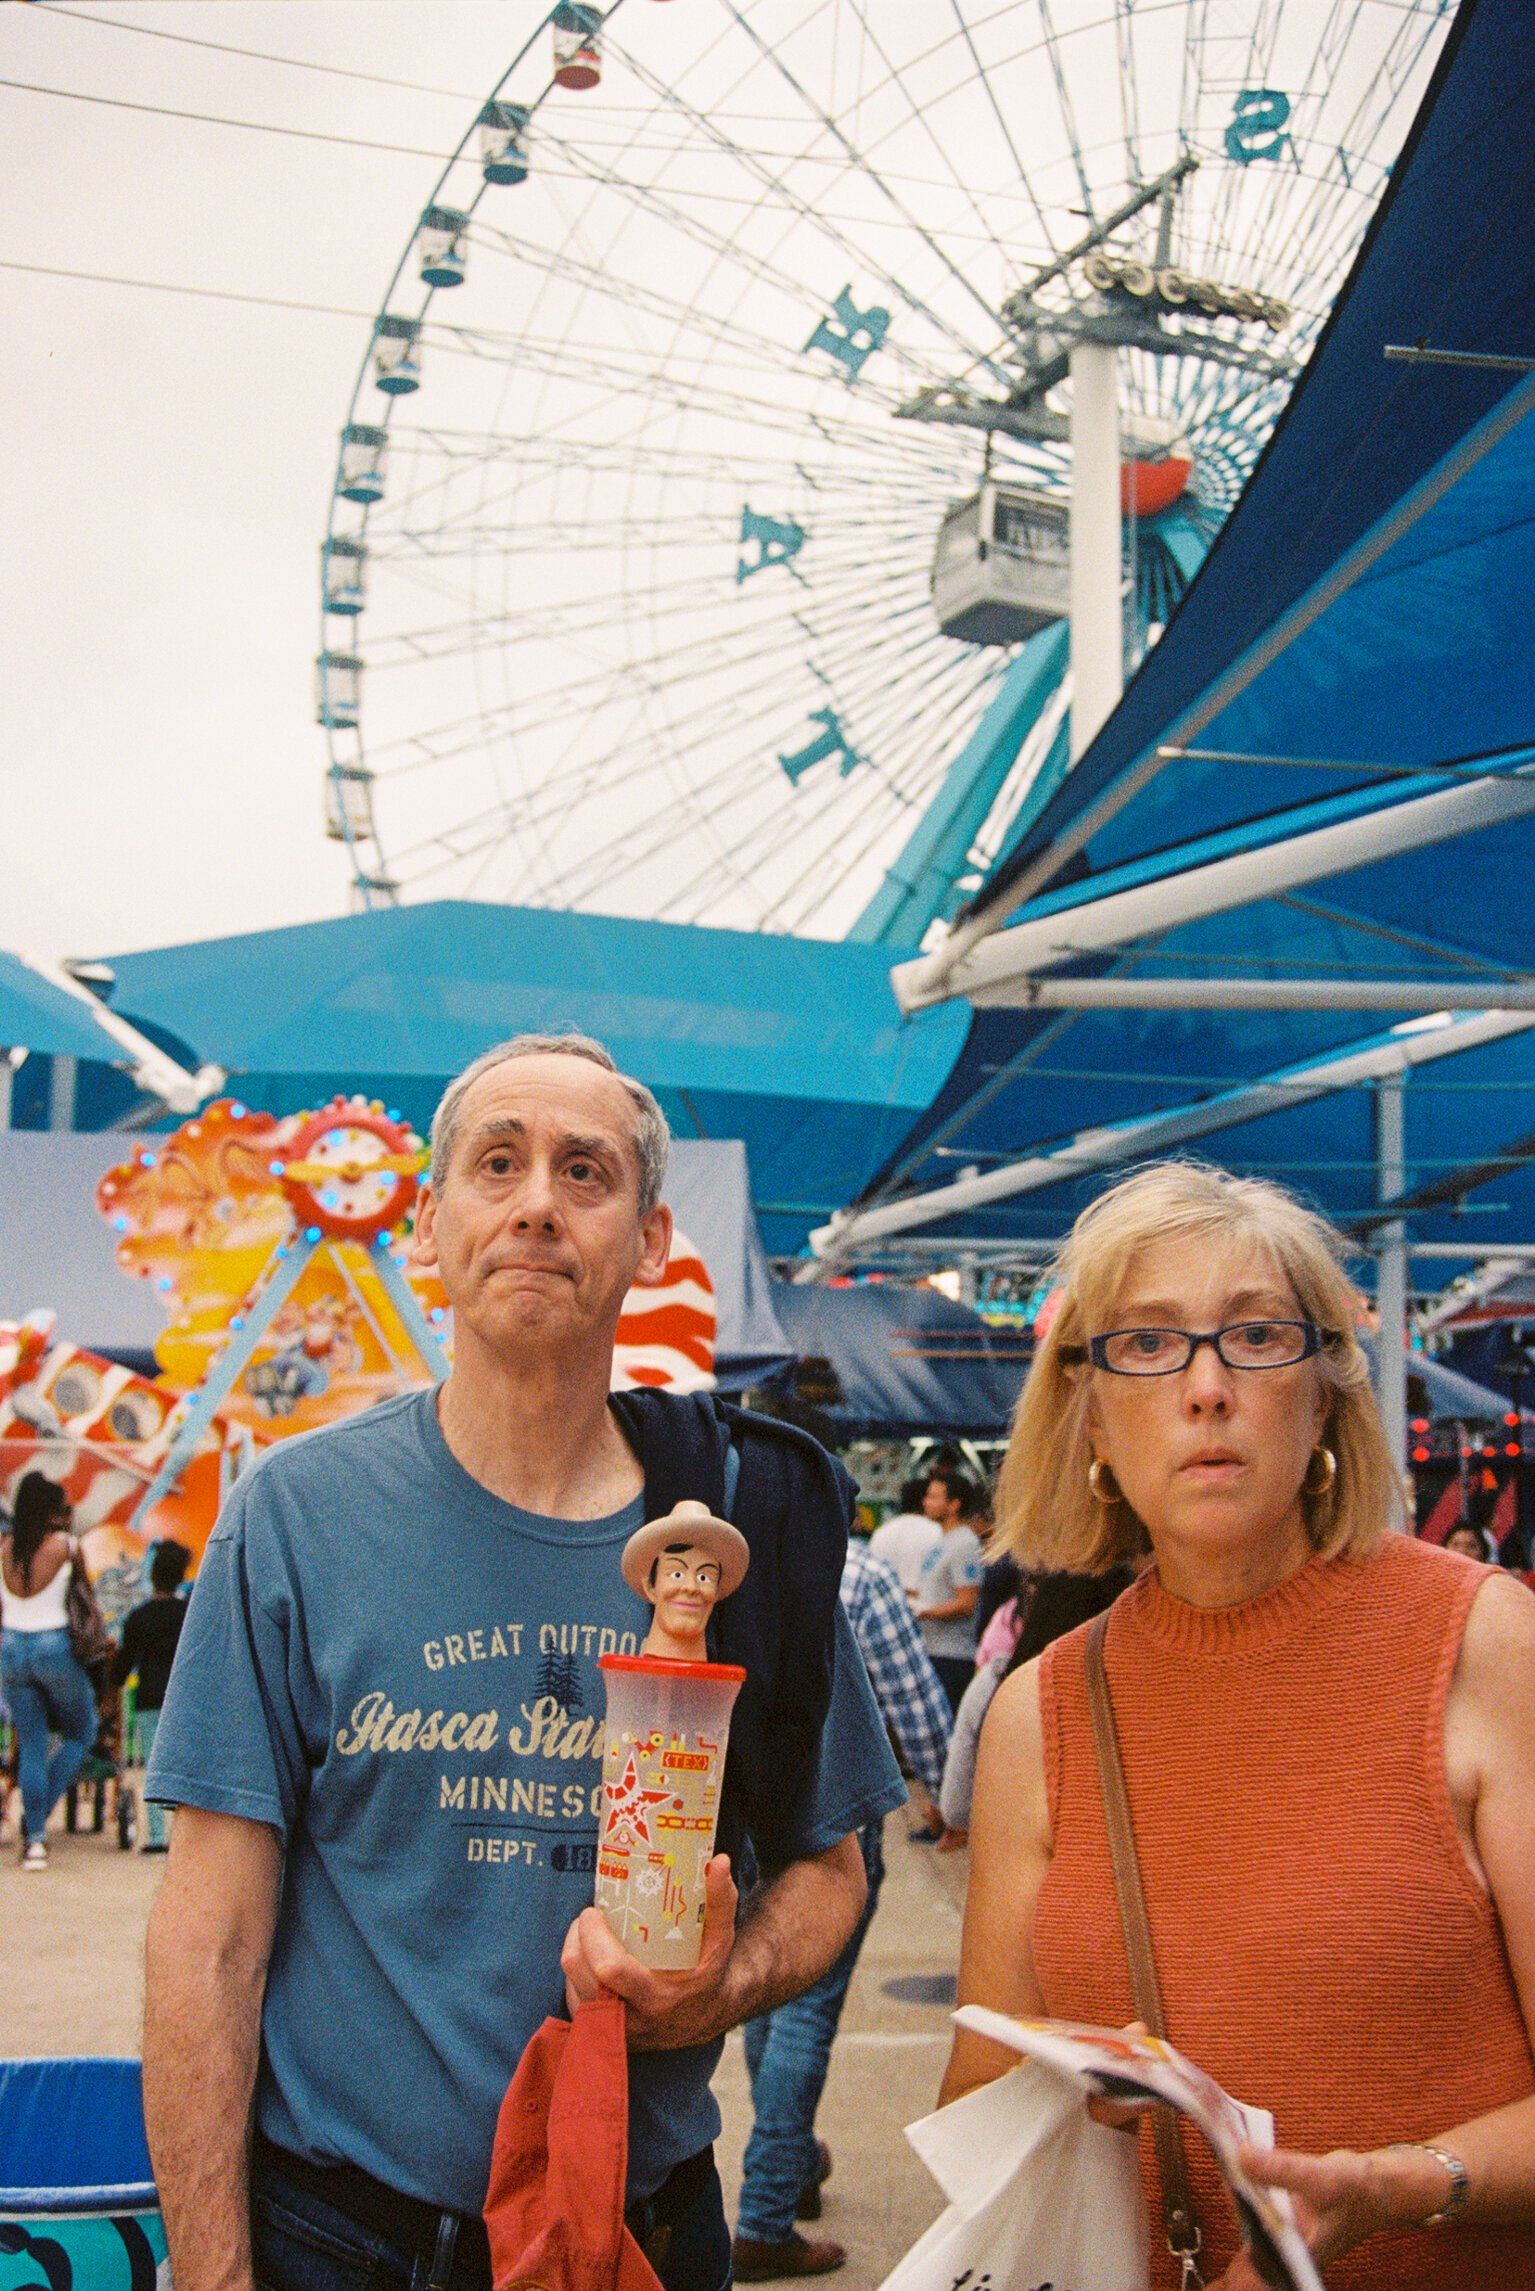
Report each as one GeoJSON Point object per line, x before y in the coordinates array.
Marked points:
{"type": "Point", "coordinates": [202, 203]}
{"type": "Point", "coordinates": [166, 459]}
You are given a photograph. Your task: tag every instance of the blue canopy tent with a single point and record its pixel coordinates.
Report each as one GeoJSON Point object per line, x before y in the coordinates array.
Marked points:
{"type": "Point", "coordinates": [1275, 913]}
{"type": "Point", "coordinates": [52, 1026]}
{"type": "Point", "coordinates": [35, 1014]}
{"type": "Point", "coordinates": [793, 1046]}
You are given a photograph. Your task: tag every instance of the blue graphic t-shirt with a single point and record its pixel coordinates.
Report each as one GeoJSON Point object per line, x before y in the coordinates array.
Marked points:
{"type": "Point", "coordinates": [398, 1672]}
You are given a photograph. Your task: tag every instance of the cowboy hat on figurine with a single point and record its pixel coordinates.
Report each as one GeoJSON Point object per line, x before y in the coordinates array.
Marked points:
{"type": "Point", "coordinates": [684, 1564]}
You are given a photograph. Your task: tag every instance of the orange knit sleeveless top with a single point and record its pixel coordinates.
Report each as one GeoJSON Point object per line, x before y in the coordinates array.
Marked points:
{"type": "Point", "coordinates": [1323, 1948]}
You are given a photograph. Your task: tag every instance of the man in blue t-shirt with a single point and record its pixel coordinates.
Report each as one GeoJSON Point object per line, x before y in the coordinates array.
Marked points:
{"type": "Point", "coordinates": [384, 1731]}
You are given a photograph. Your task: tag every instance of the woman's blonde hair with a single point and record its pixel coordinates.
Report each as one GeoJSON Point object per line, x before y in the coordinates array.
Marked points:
{"type": "Point", "coordinates": [1047, 1515]}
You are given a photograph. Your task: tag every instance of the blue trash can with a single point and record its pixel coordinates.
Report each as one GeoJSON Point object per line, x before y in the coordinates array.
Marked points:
{"type": "Point", "coordinates": [78, 2209]}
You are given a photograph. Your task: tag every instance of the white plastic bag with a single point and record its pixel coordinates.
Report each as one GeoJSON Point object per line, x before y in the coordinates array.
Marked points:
{"type": "Point", "coordinates": [1040, 2197]}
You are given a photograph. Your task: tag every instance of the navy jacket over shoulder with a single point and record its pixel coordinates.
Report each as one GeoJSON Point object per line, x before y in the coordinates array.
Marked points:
{"type": "Point", "coordinates": [793, 1503]}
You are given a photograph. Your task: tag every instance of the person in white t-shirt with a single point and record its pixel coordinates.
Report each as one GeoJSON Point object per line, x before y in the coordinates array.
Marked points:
{"type": "Point", "coordinates": [904, 1540]}
{"type": "Point", "coordinates": [949, 1588]}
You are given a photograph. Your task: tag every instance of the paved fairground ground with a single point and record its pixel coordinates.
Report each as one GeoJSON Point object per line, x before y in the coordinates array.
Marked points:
{"type": "Point", "coordinates": [74, 1986]}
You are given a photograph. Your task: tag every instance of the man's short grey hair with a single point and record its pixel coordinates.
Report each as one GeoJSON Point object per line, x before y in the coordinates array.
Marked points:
{"type": "Point", "coordinates": [652, 1138]}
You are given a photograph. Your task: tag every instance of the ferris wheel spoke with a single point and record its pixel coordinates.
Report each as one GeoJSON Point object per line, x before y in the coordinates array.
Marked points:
{"type": "Point", "coordinates": [756, 350]}
{"type": "Point", "coordinates": [910, 221]}
{"type": "Point", "coordinates": [604, 864]}
{"type": "Point", "coordinates": [689, 590]}
{"type": "Point", "coordinates": [814, 214]}
{"type": "Point", "coordinates": [599, 869]}
{"type": "Point", "coordinates": [588, 622]}
{"type": "Point", "coordinates": [1129, 90]}
{"type": "Point", "coordinates": [918, 113]}
{"type": "Point", "coordinates": [1042, 219]}
{"type": "Point", "coordinates": [861, 833]}
{"type": "Point", "coordinates": [416, 526]}
{"type": "Point", "coordinates": [756, 269]}
{"type": "Point", "coordinates": [593, 365]}
{"type": "Point", "coordinates": [1068, 109]}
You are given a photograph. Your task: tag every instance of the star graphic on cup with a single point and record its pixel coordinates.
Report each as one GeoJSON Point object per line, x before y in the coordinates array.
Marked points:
{"type": "Point", "coordinates": [629, 1804]}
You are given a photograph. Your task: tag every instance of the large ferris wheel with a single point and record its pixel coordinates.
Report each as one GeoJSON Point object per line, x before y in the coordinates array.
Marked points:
{"type": "Point", "coordinates": [724, 316]}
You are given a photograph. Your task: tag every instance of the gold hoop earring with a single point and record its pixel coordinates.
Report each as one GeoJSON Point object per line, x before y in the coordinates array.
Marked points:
{"type": "Point", "coordinates": [1102, 1485]}
{"type": "Point", "coordinates": [1329, 1464]}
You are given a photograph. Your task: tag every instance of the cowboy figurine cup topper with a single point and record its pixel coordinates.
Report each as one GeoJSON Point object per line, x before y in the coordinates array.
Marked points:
{"type": "Point", "coordinates": [683, 1565]}
{"type": "Point", "coordinates": [668, 1725]}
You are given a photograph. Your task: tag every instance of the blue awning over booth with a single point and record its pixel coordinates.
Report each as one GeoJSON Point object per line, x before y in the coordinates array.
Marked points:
{"type": "Point", "coordinates": [909, 1360]}
{"type": "Point", "coordinates": [794, 1046]}
{"type": "Point", "coordinates": [36, 1015]}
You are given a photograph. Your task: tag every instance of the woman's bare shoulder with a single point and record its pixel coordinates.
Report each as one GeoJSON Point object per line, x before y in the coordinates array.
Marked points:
{"type": "Point", "coordinates": [1014, 1711]}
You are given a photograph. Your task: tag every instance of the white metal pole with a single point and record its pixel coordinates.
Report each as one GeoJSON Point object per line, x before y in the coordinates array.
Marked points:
{"type": "Point", "coordinates": [1391, 1280]}
{"type": "Point", "coordinates": [1097, 628]}
{"type": "Point", "coordinates": [61, 1093]}
{"type": "Point", "coordinates": [1422, 994]}
{"type": "Point", "coordinates": [1211, 888]}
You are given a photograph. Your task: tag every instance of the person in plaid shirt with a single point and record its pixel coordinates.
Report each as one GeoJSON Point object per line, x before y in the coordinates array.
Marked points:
{"type": "Point", "coordinates": [788, 2050]}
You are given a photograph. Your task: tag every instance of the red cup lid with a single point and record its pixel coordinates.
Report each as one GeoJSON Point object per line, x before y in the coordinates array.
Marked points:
{"type": "Point", "coordinates": [662, 1666]}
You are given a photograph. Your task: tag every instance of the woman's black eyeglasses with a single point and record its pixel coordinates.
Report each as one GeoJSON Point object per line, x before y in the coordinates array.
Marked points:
{"type": "Point", "coordinates": [1243, 1344]}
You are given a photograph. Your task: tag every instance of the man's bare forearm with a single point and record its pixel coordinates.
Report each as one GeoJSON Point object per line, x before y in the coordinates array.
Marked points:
{"type": "Point", "coordinates": [795, 1928]}
{"type": "Point", "coordinates": [209, 1939]}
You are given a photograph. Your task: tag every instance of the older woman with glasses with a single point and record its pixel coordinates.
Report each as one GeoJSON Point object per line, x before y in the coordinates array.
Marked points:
{"type": "Point", "coordinates": [1328, 1738]}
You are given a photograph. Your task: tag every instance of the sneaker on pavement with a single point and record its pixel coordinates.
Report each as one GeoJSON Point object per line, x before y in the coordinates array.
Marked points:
{"type": "Point", "coordinates": [775, 2262]}
{"type": "Point", "coordinates": [34, 1854]}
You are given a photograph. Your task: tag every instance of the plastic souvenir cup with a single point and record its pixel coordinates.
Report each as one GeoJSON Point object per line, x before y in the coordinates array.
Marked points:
{"type": "Point", "coordinates": [667, 1729]}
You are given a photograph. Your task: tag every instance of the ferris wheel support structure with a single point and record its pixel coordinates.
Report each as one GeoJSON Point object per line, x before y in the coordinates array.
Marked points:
{"type": "Point", "coordinates": [920, 883]}
{"type": "Point", "coordinates": [1097, 616]}
{"type": "Point", "coordinates": [1082, 345]}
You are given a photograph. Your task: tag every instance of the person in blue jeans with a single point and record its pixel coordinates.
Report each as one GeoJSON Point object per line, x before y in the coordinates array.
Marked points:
{"type": "Point", "coordinates": [45, 1688]}
{"type": "Point", "coordinates": [788, 2051]}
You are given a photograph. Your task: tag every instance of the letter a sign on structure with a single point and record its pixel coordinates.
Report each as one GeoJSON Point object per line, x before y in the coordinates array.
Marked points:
{"type": "Point", "coordinates": [777, 540]}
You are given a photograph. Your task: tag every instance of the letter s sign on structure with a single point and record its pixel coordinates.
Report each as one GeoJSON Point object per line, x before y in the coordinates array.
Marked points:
{"type": "Point", "coordinates": [1257, 126]}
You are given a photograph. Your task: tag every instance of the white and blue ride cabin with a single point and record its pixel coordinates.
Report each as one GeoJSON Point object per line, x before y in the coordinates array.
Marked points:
{"type": "Point", "coordinates": [349, 804]}
{"type": "Point", "coordinates": [363, 447]}
{"type": "Point", "coordinates": [504, 142]}
{"type": "Point", "coordinates": [441, 241]}
{"type": "Point", "coordinates": [343, 571]}
{"type": "Point", "coordinates": [1002, 569]}
{"type": "Point", "coordinates": [577, 30]}
{"type": "Point", "coordinates": [396, 354]}
{"type": "Point", "coordinates": [338, 690]}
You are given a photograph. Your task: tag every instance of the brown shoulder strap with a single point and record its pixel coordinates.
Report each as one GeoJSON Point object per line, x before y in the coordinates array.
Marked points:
{"type": "Point", "coordinates": [1183, 2236]}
